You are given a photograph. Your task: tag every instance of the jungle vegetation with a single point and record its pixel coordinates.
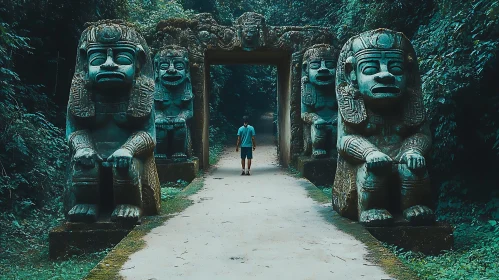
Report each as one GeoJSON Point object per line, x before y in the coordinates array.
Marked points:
{"type": "Point", "coordinates": [457, 43]}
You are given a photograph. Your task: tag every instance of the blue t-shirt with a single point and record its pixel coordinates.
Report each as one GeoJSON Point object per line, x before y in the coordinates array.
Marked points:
{"type": "Point", "coordinates": [246, 133]}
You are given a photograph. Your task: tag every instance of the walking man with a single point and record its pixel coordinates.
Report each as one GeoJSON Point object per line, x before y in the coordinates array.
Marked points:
{"type": "Point", "coordinates": [246, 138]}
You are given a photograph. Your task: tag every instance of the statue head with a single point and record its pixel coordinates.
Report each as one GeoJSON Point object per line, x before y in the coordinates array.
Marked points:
{"type": "Point", "coordinates": [112, 55]}
{"type": "Point", "coordinates": [379, 68]}
{"type": "Point", "coordinates": [171, 70]}
{"type": "Point", "coordinates": [251, 30]}
{"type": "Point", "coordinates": [319, 65]}
{"type": "Point", "coordinates": [171, 66]}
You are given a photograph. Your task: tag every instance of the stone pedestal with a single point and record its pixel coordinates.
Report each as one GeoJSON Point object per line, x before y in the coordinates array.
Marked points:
{"type": "Point", "coordinates": [318, 171]}
{"type": "Point", "coordinates": [171, 171]}
{"type": "Point", "coordinates": [430, 240]}
{"type": "Point", "coordinates": [72, 239]}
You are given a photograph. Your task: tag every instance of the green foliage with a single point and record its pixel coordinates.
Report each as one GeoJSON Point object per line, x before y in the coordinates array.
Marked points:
{"type": "Point", "coordinates": [146, 14]}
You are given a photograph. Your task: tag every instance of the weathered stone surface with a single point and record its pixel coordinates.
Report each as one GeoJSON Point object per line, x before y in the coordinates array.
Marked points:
{"type": "Point", "coordinates": [383, 136]}
{"type": "Point", "coordinates": [430, 239]}
{"type": "Point", "coordinates": [318, 171]}
{"type": "Point", "coordinates": [171, 171]}
{"type": "Point", "coordinates": [250, 40]}
{"type": "Point", "coordinates": [72, 239]}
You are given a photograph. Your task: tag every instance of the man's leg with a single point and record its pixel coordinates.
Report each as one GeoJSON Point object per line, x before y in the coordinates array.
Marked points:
{"type": "Point", "coordinates": [243, 156]}
{"type": "Point", "coordinates": [250, 156]}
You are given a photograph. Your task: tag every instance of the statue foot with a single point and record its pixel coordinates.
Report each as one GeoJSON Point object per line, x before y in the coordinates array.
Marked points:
{"type": "Point", "coordinates": [160, 156]}
{"type": "Point", "coordinates": [419, 215]}
{"type": "Point", "coordinates": [375, 217]}
{"type": "Point", "coordinates": [319, 153]}
{"type": "Point", "coordinates": [83, 213]}
{"type": "Point", "coordinates": [126, 213]}
{"type": "Point", "coordinates": [179, 156]}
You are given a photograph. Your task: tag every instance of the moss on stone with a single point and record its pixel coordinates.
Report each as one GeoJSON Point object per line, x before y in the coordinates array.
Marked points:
{"type": "Point", "coordinates": [110, 266]}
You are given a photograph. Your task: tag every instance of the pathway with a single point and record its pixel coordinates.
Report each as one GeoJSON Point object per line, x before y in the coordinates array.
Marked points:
{"type": "Point", "coordinates": [261, 226]}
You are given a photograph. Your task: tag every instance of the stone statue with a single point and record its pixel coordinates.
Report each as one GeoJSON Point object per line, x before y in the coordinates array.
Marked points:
{"type": "Point", "coordinates": [383, 137]}
{"type": "Point", "coordinates": [319, 109]}
{"type": "Point", "coordinates": [251, 30]}
{"type": "Point", "coordinates": [173, 103]}
{"type": "Point", "coordinates": [110, 126]}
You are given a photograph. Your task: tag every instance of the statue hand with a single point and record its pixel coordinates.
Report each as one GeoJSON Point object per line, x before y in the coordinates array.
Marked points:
{"type": "Point", "coordinates": [179, 122]}
{"type": "Point", "coordinates": [86, 157]}
{"type": "Point", "coordinates": [413, 160]}
{"type": "Point", "coordinates": [319, 123]}
{"type": "Point", "coordinates": [121, 158]}
{"type": "Point", "coordinates": [377, 160]}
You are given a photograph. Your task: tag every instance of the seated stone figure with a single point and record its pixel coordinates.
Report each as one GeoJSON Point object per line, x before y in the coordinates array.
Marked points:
{"type": "Point", "coordinates": [110, 126]}
{"type": "Point", "coordinates": [173, 102]}
{"type": "Point", "coordinates": [319, 109]}
{"type": "Point", "coordinates": [383, 137]}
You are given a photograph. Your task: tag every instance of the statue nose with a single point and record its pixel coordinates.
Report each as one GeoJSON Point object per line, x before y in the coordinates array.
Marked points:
{"type": "Point", "coordinates": [109, 64]}
{"type": "Point", "coordinates": [384, 78]}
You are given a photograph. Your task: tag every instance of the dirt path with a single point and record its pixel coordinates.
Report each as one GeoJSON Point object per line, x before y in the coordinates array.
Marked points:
{"type": "Point", "coordinates": [261, 226]}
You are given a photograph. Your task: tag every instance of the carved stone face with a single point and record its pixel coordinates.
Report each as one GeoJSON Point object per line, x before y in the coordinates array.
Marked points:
{"type": "Point", "coordinates": [172, 71]}
{"type": "Point", "coordinates": [381, 75]}
{"type": "Point", "coordinates": [111, 66]}
{"type": "Point", "coordinates": [321, 72]}
{"type": "Point", "coordinates": [250, 34]}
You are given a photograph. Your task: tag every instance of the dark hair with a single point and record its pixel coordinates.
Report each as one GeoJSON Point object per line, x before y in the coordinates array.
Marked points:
{"type": "Point", "coordinates": [245, 119]}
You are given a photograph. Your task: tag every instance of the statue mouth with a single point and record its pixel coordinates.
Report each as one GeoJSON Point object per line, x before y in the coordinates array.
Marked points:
{"type": "Point", "coordinates": [172, 79]}
{"type": "Point", "coordinates": [324, 78]}
{"type": "Point", "coordinates": [109, 77]}
{"type": "Point", "coordinates": [385, 90]}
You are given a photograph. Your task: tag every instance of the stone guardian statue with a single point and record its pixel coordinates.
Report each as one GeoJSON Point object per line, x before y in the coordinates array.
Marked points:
{"type": "Point", "coordinates": [318, 101]}
{"type": "Point", "coordinates": [173, 103]}
{"type": "Point", "coordinates": [251, 30]}
{"type": "Point", "coordinates": [383, 136]}
{"type": "Point", "coordinates": [110, 126]}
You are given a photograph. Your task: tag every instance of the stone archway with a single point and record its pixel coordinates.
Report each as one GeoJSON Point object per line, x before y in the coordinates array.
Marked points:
{"type": "Point", "coordinates": [248, 41]}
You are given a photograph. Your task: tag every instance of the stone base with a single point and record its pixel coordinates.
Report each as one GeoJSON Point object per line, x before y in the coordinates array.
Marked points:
{"type": "Point", "coordinates": [72, 239]}
{"type": "Point", "coordinates": [429, 240]}
{"type": "Point", "coordinates": [318, 171]}
{"type": "Point", "coordinates": [172, 171]}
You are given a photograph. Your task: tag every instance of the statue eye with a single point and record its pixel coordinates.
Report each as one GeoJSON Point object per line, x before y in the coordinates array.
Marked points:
{"type": "Point", "coordinates": [124, 58]}
{"type": "Point", "coordinates": [164, 66]}
{"type": "Point", "coordinates": [96, 59]}
{"type": "Point", "coordinates": [315, 65]}
{"type": "Point", "coordinates": [397, 69]}
{"type": "Point", "coordinates": [329, 64]}
{"type": "Point", "coordinates": [179, 66]}
{"type": "Point", "coordinates": [369, 68]}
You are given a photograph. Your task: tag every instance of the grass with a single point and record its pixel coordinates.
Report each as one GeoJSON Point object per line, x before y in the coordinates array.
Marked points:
{"type": "Point", "coordinates": [24, 252]}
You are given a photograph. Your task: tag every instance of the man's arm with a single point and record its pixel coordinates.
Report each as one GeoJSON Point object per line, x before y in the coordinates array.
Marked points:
{"type": "Point", "coordinates": [254, 142]}
{"type": "Point", "coordinates": [238, 142]}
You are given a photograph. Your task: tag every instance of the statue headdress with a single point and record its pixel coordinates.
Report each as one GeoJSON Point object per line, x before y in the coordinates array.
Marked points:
{"type": "Point", "coordinates": [112, 32]}
{"type": "Point", "coordinates": [350, 102]}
